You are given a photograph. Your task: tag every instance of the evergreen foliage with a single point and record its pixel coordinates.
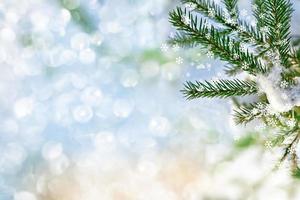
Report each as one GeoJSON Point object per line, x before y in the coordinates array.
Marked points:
{"type": "Point", "coordinates": [257, 50]}
{"type": "Point", "coordinates": [220, 88]}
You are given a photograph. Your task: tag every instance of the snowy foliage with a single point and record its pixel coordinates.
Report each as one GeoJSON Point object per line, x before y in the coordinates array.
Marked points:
{"type": "Point", "coordinates": [262, 50]}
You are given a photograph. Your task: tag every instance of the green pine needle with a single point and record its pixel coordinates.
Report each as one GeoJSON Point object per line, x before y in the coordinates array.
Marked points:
{"type": "Point", "coordinates": [246, 113]}
{"type": "Point", "coordinates": [227, 49]}
{"type": "Point", "coordinates": [220, 31]}
{"type": "Point", "coordinates": [208, 9]}
{"type": "Point", "coordinates": [278, 21]}
{"type": "Point", "coordinates": [230, 23]}
{"type": "Point", "coordinates": [259, 11]}
{"type": "Point", "coordinates": [183, 40]}
{"type": "Point", "coordinates": [231, 6]}
{"type": "Point", "coordinates": [220, 89]}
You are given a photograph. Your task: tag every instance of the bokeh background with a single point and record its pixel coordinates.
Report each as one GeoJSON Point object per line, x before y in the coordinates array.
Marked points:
{"type": "Point", "coordinates": [91, 109]}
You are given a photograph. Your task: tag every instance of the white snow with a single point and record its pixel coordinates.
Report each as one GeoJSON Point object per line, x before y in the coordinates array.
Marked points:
{"type": "Point", "coordinates": [280, 99]}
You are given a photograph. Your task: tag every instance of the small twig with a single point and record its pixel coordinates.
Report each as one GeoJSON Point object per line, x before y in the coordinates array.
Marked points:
{"type": "Point", "coordinates": [294, 161]}
{"type": "Point", "coordinates": [289, 148]}
{"type": "Point", "coordinates": [235, 102]}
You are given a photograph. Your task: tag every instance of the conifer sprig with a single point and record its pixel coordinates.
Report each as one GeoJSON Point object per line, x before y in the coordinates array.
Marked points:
{"type": "Point", "coordinates": [231, 6]}
{"type": "Point", "coordinates": [259, 11]}
{"type": "Point", "coordinates": [228, 19]}
{"type": "Point", "coordinates": [183, 40]}
{"type": "Point", "coordinates": [246, 113]}
{"type": "Point", "coordinates": [227, 49]}
{"type": "Point", "coordinates": [278, 21]}
{"type": "Point", "coordinates": [208, 9]}
{"type": "Point", "coordinates": [219, 30]}
{"type": "Point", "coordinates": [220, 89]}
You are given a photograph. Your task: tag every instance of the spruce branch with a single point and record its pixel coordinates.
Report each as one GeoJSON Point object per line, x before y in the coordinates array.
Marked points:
{"type": "Point", "coordinates": [182, 40]}
{"type": "Point", "coordinates": [246, 113]}
{"type": "Point", "coordinates": [231, 6]}
{"type": "Point", "coordinates": [226, 48]}
{"type": "Point", "coordinates": [259, 11]}
{"type": "Point", "coordinates": [232, 70]}
{"type": "Point", "coordinates": [290, 148]}
{"type": "Point", "coordinates": [278, 19]}
{"type": "Point", "coordinates": [220, 88]}
{"type": "Point", "coordinates": [295, 59]}
{"type": "Point", "coordinates": [208, 9]}
{"type": "Point", "coordinates": [232, 40]}
{"type": "Point", "coordinates": [250, 34]}
{"type": "Point", "coordinates": [228, 19]}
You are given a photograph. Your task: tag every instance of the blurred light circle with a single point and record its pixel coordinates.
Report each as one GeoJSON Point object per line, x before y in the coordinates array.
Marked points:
{"type": "Point", "coordinates": [44, 41]}
{"type": "Point", "coordinates": [91, 96]}
{"type": "Point", "coordinates": [150, 69]}
{"type": "Point", "coordinates": [71, 4]}
{"type": "Point", "coordinates": [11, 16]}
{"type": "Point", "coordinates": [113, 27]}
{"type": "Point", "coordinates": [67, 56]}
{"type": "Point", "coordinates": [105, 141]}
{"type": "Point", "coordinates": [59, 165]}
{"type": "Point", "coordinates": [130, 78]}
{"type": "Point", "coordinates": [78, 81]}
{"type": "Point", "coordinates": [41, 184]}
{"type": "Point", "coordinates": [24, 195]}
{"type": "Point", "coordinates": [52, 150]}
{"type": "Point", "coordinates": [160, 126]}
{"type": "Point", "coordinates": [87, 56]}
{"type": "Point", "coordinates": [82, 113]}
{"type": "Point", "coordinates": [96, 39]}
{"type": "Point", "coordinates": [147, 168]}
{"type": "Point", "coordinates": [196, 122]}
{"type": "Point", "coordinates": [32, 69]}
{"type": "Point", "coordinates": [9, 126]}
{"type": "Point", "coordinates": [65, 15]}
{"type": "Point", "coordinates": [44, 93]}
{"type": "Point", "coordinates": [170, 71]}
{"type": "Point", "coordinates": [52, 55]}
{"type": "Point", "coordinates": [27, 53]}
{"type": "Point", "coordinates": [23, 107]}
{"type": "Point", "coordinates": [80, 41]}
{"type": "Point", "coordinates": [7, 35]}
{"type": "Point", "coordinates": [3, 55]}
{"type": "Point", "coordinates": [61, 82]}
{"type": "Point", "coordinates": [15, 154]}
{"type": "Point", "coordinates": [122, 108]}
{"type": "Point", "coordinates": [39, 20]}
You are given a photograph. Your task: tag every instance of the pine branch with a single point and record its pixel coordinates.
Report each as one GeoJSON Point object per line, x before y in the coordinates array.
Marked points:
{"type": "Point", "coordinates": [290, 76]}
{"type": "Point", "coordinates": [232, 70]}
{"type": "Point", "coordinates": [290, 147]}
{"type": "Point", "coordinates": [221, 45]}
{"type": "Point", "coordinates": [295, 59]}
{"type": "Point", "coordinates": [231, 6]}
{"type": "Point", "coordinates": [182, 40]}
{"type": "Point", "coordinates": [208, 9]}
{"type": "Point", "coordinates": [228, 19]}
{"type": "Point", "coordinates": [259, 11]}
{"type": "Point", "coordinates": [278, 20]}
{"type": "Point", "coordinates": [271, 42]}
{"type": "Point", "coordinates": [220, 88]}
{"type": "Point", "coordinates": [246, 113]}
{"type": "Point", "coordinates": [250, 34]}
